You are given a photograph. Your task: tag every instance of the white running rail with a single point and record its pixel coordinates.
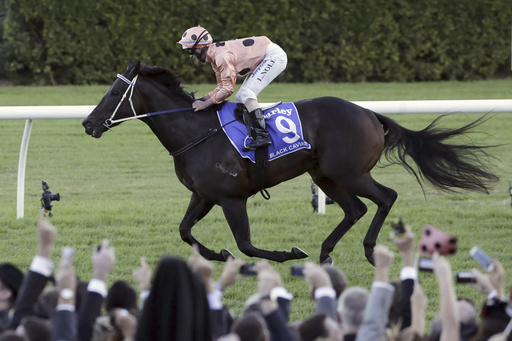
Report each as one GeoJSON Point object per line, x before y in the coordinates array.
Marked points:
{"type": "Point", "coordinates": [30, 113]}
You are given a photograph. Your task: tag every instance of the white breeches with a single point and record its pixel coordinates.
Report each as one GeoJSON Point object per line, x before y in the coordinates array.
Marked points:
{"type": "Point", "coordinates": [273, 64]}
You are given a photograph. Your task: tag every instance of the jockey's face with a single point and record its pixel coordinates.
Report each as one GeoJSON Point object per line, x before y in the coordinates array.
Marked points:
{"type": "Point", "coordinates": [198, 54]}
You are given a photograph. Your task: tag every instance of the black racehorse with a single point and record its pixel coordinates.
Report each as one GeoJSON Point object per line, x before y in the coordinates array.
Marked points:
{"type": "Point", "coordinates": [347, 141]}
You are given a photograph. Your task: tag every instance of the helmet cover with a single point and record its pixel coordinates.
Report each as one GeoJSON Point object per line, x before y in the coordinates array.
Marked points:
{"type": "Point", "coordinates": [195, 37]}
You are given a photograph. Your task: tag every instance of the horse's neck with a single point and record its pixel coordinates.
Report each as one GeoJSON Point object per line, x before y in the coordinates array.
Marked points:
{"type": "Point", "coordinates": [176, 129]}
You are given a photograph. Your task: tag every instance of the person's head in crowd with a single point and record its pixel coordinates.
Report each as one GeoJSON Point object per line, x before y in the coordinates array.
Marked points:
{"type": "Point", "coordinates": [468, 322]}
{"type": "Point", "coordinates": [338, 278]}
{"type": "Point", "coordinates": [351, 306]}
{"type": "Point", "coordinates": [10, 283]}
{"type": "Point", "coordinates": [312, 328]}
{"type": "Point", "coordinates": [35, 328]}
{"type": "Point", "coordinates": [121, 295]}
{"type": "Point", "coordinates": [177, 307]}
{"type": "Point", "coordinates": [251, 327]}
{"type": "Point", "coordinates": [319, 327]}
{"type": "Point", "coordinates": [494, 320]}
{"type": "Point", "coordinates": [47, 302]}
{"type": "Point", "coordinates": [468, 319]}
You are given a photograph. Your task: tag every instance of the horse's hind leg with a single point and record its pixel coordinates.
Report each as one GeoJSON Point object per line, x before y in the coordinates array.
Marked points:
{"type": "Point", "coordinates": [235, 212]}
{"type": "Point", "coordinates": [353, 208]}
{"type": "Point", "coordinates": [384, 197]}
{"type": "Point", "coordinates": [197, 209]}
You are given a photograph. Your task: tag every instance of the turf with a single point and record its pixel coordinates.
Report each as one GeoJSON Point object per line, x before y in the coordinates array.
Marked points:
{"type": "Point", "coordinates": [123, 187]}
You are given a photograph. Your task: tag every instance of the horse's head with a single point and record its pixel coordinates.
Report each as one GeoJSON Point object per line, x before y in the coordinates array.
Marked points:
{"type": "Point", "coordinates": [118, 103]}
{"type": "Point", "coordinates": [137, 93]}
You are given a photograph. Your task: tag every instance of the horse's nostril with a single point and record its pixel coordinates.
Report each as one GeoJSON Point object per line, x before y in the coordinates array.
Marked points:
{"type": "Point", "coordinates": [86, 124]}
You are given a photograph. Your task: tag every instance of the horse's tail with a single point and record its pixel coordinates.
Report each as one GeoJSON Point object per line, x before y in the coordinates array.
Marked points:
{"type": "Point", "coordinates": [446, 166]}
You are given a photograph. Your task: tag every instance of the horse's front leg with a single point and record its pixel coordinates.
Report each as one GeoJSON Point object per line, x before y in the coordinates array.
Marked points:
{"type": "Point", "coordinates": [235, 212]}
{"type": "Point", "coordinates": [197, 209]}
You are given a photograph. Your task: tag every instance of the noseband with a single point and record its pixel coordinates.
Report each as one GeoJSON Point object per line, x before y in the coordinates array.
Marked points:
{"type": "Point", "coordinates": [131, 86]}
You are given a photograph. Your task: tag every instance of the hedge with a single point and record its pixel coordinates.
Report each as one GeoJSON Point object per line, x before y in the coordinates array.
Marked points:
{"type": "Point", "coordinates": [58, 42]}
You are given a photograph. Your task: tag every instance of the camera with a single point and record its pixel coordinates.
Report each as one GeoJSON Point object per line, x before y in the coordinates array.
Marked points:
{"type": "Point", "coordinates": [465, 277]}
{"type": "Point", "coordinates": [434, 240]}
{"type": "Point", "coordinates": [297, 271]}
{"type": "Point", "coordinates": [47, 197]}
{"type": "Point", "coordinates": [248, 270]}
{"type": "Point", "coordinates": [426, 264]}
{"type": "Point", "coordinates": [399, 228]}
{"type": "Point", "coordinates": [482, 258]}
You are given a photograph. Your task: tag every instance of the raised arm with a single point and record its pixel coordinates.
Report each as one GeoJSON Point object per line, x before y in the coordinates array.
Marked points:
{"type": "Point", "coordinates": [450, 320]}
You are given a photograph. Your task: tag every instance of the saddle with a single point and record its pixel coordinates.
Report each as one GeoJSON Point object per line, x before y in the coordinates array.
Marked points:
{"type": "Point", "coordinates": [240, 109]}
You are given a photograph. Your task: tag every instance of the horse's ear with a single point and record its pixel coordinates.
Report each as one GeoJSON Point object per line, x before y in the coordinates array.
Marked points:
{"type": "Point", "coordinates": [137, 67]}
{"type": "Point", "coordinates": [133, 68]}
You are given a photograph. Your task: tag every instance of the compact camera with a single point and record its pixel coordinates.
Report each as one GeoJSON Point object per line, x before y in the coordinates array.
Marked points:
{"type": "Point", "coordinates": [434, 240]}
{"type": "Point", "coordinates": [47, 197]}
{"type": "Point", "coordinates": [248, 270]}
{"type": "Point", "coordinates": [465, 277]}
{"type": "Point", "coordinates": [297, 271]}
{"type": "Point", "coordinates": [399, 228]}
{"type": "Point", "coordinates": [426, 264]}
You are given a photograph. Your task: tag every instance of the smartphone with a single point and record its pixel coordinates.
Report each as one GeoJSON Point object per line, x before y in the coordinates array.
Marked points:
{"type": "Point", "coordinates": [465, 277]}
{"type": "Point", "coordinates": [67, 255]}
{"type": "Point", "coordinates": [482, 258]}
{"type": "Point", "coordinates": [426, 264]}
{"type": "Point", "coordinates": [297, 271]}
{"type": "Point", "coordinates": [248, 270]}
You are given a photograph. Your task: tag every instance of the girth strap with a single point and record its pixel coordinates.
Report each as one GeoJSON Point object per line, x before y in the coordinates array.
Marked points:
{"type": "Point", "coordinates": [194, 143]}
{"type": "Point", "coordinates": [261, 156]}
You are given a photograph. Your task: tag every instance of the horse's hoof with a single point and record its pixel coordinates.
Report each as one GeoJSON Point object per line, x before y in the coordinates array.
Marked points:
{"type": "Point", "coordinates": [225, 254]}
{"type": "Point", "coordinates": [370, 258]}
{"type": "Point", "coordinates": [299, 254]}
{"type": "Point", "coordinates": [328, 261]}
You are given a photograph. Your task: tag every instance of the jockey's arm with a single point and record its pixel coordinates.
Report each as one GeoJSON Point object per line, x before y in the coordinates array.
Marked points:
{"type": "Point", "coordinates": [225, 73]}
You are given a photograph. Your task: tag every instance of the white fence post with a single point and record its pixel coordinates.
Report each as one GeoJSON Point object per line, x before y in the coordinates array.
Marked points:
{"type": "Point", "coordinates": [321, 201]}
{"type": "Point", "coordinates": [22, 163]}
{"type": "Point", "coordinates": [383, 107]}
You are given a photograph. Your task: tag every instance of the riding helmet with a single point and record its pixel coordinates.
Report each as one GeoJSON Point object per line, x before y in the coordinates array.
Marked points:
{"type": "Point", "coordinates": [195, 37]}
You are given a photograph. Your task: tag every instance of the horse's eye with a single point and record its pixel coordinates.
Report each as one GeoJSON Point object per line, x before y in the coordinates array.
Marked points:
{"type": "Point", "coordinates": [115, 92]}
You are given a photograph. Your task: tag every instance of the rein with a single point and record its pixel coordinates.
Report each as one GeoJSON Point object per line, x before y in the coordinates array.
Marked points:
{"type": "Point", "coordinates": [131, 86]}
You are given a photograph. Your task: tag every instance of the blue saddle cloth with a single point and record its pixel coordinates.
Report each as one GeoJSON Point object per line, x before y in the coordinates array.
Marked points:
{"type": "Point", "coordinates": [282, 123]}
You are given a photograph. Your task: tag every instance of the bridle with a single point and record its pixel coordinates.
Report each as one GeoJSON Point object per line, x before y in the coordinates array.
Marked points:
{"type": "Point", "coordinates": [109, 122]}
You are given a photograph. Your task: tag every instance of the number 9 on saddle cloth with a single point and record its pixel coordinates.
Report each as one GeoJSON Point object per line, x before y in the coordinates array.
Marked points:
{"type": "Point", "coordinates": [282, 122]}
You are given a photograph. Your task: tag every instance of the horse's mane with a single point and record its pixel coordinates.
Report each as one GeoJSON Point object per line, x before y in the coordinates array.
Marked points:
{"type": "Point", "coordinates": [165, 77]}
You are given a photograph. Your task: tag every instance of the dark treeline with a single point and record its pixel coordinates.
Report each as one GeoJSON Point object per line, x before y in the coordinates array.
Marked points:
{"type": "Point", "coordinates": [88, 42]}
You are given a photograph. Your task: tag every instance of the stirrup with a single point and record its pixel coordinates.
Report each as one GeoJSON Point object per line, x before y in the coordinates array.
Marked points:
{"type": "Point", "coordinates": [246, 148]}
{"type": "Point", "coordinates": [256, 144]}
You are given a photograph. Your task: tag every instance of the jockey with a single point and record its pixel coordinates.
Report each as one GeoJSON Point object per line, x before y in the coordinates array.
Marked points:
{"type": "Point", "coordinates": [257, 58]}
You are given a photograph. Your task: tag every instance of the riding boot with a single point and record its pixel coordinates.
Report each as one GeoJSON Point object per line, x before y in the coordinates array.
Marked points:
{"type": "Point", "coordinates": [256, 130]}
